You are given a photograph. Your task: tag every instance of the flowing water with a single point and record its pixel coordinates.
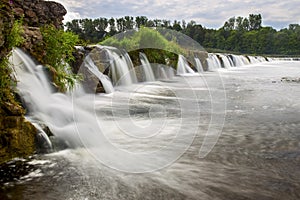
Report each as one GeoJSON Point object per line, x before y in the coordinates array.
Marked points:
{"type": "Point", "coordinates": [149, 140]}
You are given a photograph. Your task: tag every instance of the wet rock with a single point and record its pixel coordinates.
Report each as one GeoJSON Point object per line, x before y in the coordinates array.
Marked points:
{"type": "Point", "coordinates": [17, 137]}
{"type": "Point", "coordinates": [291, 79]}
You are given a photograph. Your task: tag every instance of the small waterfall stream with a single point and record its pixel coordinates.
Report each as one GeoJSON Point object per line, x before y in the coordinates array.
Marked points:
{"type": "Point", "coordinates": [122, 68]}
{"type": "Point", "coordinates": [105, 80]}
{"type": "Point", "coordinates": [183, 66]}
{"type": "Point", "coordinates": [199, 65]}
{"type": "Point", "coordinates": [146, 67]}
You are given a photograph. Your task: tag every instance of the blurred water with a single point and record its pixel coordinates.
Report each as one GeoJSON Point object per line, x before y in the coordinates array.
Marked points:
{"type": "Point", "coordinates": [257, 155]}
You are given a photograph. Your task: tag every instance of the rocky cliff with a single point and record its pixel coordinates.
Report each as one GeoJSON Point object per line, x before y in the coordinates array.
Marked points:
{"type": "Point", "coordinates": [17, 136]}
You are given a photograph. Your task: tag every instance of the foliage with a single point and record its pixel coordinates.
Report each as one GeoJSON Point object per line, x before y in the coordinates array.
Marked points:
{"type": "Point", "coordinates": [142, 39]}
{"type": "Point", "coordinates": [238, 34]}
{"type": "Point", "coordinates": [13, 39]}
{"type": "Point", "coordinates": [59, 47]}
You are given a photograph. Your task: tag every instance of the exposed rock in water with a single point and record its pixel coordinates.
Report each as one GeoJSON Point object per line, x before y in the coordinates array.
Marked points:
{"type": "Point", "coordinates": [17, 136]}
{"type": "Point", "coordinates": [291, 79]}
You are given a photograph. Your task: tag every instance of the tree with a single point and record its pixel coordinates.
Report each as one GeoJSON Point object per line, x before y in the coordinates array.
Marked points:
{"type": "Point", "coordinates": [129, 23]}
{"type": "Point", "coordinates": [239, 24]}
{"type": "Point", "coordinates": [246, 25]}
{"type": "Point", "coordinates": [121, 24]}
{"type": "Point", "coordinates": [112, 26]}
{"type": "Point", "coordinates": [255, 22]}
{"type": "Point", "coordinates": [176, 26]}
{"type": "Point", "coordinates": [230, 24]}
{"type": "Point", "coordinates": [141, 21]}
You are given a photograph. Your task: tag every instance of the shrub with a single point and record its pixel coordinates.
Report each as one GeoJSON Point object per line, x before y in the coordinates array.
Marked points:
{"type": "Point", "coordinates": [59, 48]}
{"type": "Point", "coordinates": [13, 39]}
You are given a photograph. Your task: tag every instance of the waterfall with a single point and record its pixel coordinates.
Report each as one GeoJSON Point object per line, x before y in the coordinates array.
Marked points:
{"type": "Point", "coordinates": [64, 114]}
{"type": "Point", "coordinates": [162, 73]}
{"type": "Point", "coordinates": [146, 68]}
{"type": "Point", "coordinates": [213, 62]}
{"type": "Point", "coordinates": [183, 66]}
{"type": "Point", "coordinates": [122, 68]}
{"type": "Point", "coordinates": [225, 60]}
{"type": "Point", "coordinates": [106, 82]}
{"type": "Point", "coordinates": [229, 58]}
{"type": "Point", "coordinates": [240, 60]}
{"type": "Point", "coordinates": [199, 65]}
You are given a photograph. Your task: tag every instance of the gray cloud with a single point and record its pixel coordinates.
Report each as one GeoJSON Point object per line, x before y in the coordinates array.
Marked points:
{"type": "Point", "coordinates": [210, 13]}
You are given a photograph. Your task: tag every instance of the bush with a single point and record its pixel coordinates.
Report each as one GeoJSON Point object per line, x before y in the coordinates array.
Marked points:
{"type": "Point", "coordinates": [142, 39]}
{"type": "Point", "coordinates": [13, 39]}
{"type": "Point", "coordinates": [59, 48]}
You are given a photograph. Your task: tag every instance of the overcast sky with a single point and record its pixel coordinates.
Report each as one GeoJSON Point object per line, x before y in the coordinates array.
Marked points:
{"type": "Point", "coordinates": [209, 13]}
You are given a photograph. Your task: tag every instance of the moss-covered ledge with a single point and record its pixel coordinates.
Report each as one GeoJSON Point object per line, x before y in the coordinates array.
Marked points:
{"type": "Point", "coordinates": [17, 136]}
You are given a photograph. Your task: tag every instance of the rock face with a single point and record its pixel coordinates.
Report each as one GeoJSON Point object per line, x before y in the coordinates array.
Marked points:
{"type": "Point", "coordinates": [18, 136]}
{"type": "Point", "coordinates": [37, 13]}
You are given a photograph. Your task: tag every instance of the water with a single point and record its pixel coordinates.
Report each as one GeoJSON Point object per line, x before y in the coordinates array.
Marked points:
{"type": "Point", "coordinates": [147, 70]}
{"type": "Point", "coordinates": [199, 65]}
{"type": "Point", "coordinates": [183, 67]}
{"type": "Point", "coordinates": [256, 157]}
{"type": "Point", "coordinates": [213, 62]}
{"type": "Point", "coordinates": [122, 68]}
{"type": "Point", "coordinates": [105, 80]}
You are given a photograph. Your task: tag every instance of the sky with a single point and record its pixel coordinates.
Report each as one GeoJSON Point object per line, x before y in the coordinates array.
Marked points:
{"type": "Point", "coordinates": [209, 13]}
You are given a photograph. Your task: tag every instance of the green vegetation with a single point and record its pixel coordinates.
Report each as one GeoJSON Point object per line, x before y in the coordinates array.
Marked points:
{"type": "Point", "coordinates": [141, 39]}
{"type": "Point", "coordinates": [14, 39]}
{"type": "Point", "coordinates": [59, 47]}
{"type": "Point", "coordinates": [147, 40]}
{"type": "Point", "coordinates": [238, 34]}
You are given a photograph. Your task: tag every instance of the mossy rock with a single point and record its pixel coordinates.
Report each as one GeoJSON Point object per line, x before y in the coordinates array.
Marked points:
{"type": "Point", "coordinates": [17, 138]}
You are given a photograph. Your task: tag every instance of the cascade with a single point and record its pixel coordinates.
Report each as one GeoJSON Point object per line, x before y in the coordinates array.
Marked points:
{"type": "Point", "coordinates": [226, 61]}
{"type": "Point", "coordinates": [199, 65]}
{"type": "Point", "coordinates": [240, 60]}
{"type": "Point", "coordinates": [213, 62]}
{"type": "Point", "coordinates": [229, 58]}
{"type": "Point", "coordinates": [122, 68]}
{"type": "Point", "coordinates": [183, 66]}
{"type": "Point", "coordinates": [56, 110]}
{"type": "Point", "coordinates": [106, 82]}
{"type": "Point", "coordinates": [162, 73]}
{"type": "Point", "coordinates": [146, 68]}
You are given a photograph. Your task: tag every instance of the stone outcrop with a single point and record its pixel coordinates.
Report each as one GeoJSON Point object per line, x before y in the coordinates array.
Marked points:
{"type": "Point", "coordinates": [18, 136]}
{"type": "Point", "coordinates": [37, 13]}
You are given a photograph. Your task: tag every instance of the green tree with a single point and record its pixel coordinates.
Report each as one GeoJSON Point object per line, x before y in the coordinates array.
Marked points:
{"type": "Point", "coordinates": [255, 21]}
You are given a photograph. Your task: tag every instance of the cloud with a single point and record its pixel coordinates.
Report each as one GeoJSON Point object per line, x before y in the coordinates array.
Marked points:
{"type": "Point", "coordinates": [210, 13]}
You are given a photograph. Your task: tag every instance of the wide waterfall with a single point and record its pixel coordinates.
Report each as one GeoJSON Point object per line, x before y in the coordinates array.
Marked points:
{"type": "Point", "coordinates": [217, 61]}
{"type": "Point", "coordinates": [56, 110]}
{"type": "Point", "coordinates": [146, 68]}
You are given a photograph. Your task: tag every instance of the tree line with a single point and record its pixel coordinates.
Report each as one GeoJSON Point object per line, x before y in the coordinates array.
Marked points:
{"type": "Point", "coordinates": [238, 34]}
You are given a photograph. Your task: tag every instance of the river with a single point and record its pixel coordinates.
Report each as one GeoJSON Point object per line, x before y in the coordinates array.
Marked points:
{"type": "Point", "coordinates": [229, 134]}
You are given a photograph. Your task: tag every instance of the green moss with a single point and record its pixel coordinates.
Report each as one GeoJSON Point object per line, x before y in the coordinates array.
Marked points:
{"type": "Point", "coordinates": [17, 138]}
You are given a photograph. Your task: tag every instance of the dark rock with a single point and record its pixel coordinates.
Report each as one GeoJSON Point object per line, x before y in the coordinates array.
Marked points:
{"type": "Point", "coordinates": [291, 79]}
